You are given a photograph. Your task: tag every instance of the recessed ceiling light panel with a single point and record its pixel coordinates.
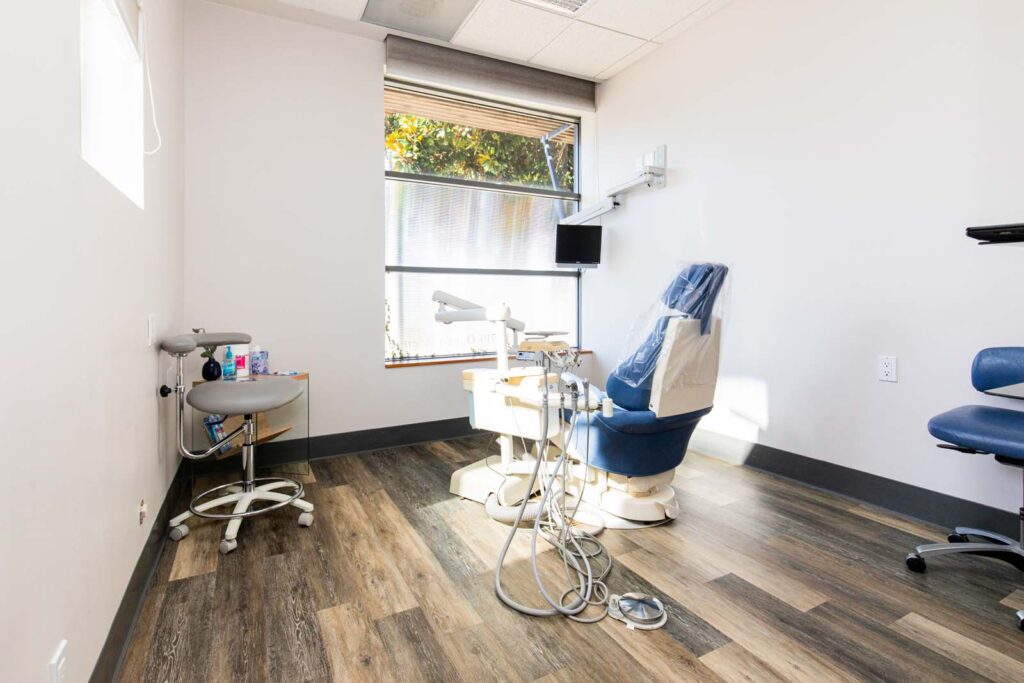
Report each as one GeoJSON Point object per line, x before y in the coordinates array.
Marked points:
{"type": "Point", "coordinates": [569, 8]}
{"type": "Point", "coordinates": [438, 19]}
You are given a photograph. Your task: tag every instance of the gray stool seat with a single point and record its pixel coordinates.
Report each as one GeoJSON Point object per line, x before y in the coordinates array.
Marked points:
{"type": "Point", "coordinates": [244, 396]}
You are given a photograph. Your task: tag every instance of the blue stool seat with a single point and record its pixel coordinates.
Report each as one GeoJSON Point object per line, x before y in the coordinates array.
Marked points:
{"type": "Point", "coordinates": [996, 430]}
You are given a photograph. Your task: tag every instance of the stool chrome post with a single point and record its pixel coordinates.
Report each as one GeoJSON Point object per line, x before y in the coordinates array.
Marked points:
{"type": "Point", "coordinates": [251, 495]}
{"type": "Point", "coordinates": [248, 448]}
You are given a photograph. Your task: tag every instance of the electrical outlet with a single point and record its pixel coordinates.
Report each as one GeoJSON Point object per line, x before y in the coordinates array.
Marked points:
{"type": "Point", "coordinates": [887, 369]}
{"type": "Point", "coordinates": [143, 511]}
{"type": "Point", "coordinates": [59, 663]}
{"type": "Point", "coordinates": [150, 328]}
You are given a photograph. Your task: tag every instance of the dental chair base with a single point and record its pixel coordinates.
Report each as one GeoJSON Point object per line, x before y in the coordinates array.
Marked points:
{"type": "Point", "coordinates": [626, 502]}
{"type": "Point", "coordinates": [484, 478]}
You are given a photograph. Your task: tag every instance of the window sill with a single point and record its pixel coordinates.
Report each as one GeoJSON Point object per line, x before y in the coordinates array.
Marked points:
{"type": "Point", "coordinates": [451, 361]}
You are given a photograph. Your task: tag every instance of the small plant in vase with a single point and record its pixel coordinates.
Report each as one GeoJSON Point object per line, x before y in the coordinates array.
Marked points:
{"type": "Point", "coordinates": [211, 368]}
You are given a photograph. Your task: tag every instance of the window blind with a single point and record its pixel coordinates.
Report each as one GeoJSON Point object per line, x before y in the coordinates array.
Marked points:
{"type": "Point", "coordinates": [412, 61]}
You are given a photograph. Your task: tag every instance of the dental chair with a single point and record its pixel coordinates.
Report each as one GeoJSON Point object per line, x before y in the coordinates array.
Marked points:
{"type": "Point", "coordinates": [624, 463]}
{"type": "Point", "coordinates": [247, 397]}
{"type": "Point", "coordinates": [985, 430]}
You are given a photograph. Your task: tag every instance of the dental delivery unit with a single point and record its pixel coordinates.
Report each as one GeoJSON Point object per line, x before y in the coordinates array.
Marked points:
{"type": "Point", "coordinates": [599, 458]}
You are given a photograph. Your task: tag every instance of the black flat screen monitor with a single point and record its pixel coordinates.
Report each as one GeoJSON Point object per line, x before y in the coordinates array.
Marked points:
{"type": "Point", "coordinates": [578, 246]}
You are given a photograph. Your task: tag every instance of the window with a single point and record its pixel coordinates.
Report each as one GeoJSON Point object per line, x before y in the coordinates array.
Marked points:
{"type": "Point", "coordinates": [112, 109]}
{"type": "Point", "coordinates": [473, 193]}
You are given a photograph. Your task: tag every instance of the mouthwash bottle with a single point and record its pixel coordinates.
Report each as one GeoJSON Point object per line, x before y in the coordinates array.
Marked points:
{"type": "Point", "coordinates": [229, 364]}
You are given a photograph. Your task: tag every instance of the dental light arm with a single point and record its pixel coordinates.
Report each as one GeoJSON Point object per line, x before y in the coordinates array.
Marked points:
{"type": "Point", "coordinates": [452, 309]}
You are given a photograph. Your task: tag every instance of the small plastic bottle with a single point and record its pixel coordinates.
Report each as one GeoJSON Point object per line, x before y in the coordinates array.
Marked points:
{"type": "Point", "coordinates": [241, 352]}
{"type": "Point", "coordinates": [229, 364]}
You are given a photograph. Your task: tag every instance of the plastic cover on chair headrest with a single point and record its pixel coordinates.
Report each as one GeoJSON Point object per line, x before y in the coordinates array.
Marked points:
{"type": "Point", "coordinates": [692, 294]}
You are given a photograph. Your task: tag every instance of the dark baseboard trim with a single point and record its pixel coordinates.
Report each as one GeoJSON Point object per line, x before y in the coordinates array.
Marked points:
{"type": "Point", "coordinates": [388, 437]}
{"type": "Point", "coordinates": [896, 496]}
{"type": "Point", "coordinates": [111, 656]}
{"type": "Point", "coordinates": [328, 445]}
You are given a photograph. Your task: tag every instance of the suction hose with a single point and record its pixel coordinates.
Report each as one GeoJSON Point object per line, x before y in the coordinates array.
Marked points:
{"type": "Point", "coordinates": [585, 591]}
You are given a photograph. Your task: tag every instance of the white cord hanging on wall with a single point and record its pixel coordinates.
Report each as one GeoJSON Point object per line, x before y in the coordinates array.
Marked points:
{"type": "Point", "coordinates": [149, 82]}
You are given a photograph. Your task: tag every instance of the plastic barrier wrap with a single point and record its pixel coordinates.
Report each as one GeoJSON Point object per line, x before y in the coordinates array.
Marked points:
{"type": "Point", "coordinates": [695, 294]}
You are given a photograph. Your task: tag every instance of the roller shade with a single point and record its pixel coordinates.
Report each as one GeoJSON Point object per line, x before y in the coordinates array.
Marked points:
{"type": "Point", "coordinates": [412, 61]}
{"type": "Point", "coordinates": [398, 101]}
{"type": "Point", "coordinates": [129, 11]}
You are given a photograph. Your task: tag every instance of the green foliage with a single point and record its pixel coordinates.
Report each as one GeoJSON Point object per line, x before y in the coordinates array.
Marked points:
{"type": "Point", "coordinates": [425, 146]}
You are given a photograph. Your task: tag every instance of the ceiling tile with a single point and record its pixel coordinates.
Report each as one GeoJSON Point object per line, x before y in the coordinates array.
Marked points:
{"type": "Point", "coordinates": [438, 19]}
{"type": "Point", "coordinates": [509, 29]}
{"type": "Point", "coordinates": [346, 9]}
{"type": "Point", "coordinates": [632, 58]}
{"type": "Point", "coordinates": [642, 18]}
{"type": "Point", "coordinates": [586, 50]}
{"type": "Point", "coordinates": [700, 14]}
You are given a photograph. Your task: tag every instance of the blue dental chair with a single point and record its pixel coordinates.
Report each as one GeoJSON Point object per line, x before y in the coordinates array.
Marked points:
{"type": "Point", "coordinates": [984, 430]}
{"type": "Point", "coordinates": [660, 392]}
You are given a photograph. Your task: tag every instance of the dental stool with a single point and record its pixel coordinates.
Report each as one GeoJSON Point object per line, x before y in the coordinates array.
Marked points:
{"type": "Point", "coordinates": [247, 397]}
{"type": "Point", "coordinates": [985, 430]}
{"type": "Point", "coordinates": [660, 392]}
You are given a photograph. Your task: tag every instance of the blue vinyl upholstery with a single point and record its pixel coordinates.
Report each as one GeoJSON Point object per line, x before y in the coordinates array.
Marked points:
{"type": "Point", "coordinates": [994, 430]}
{"type": "Point", "coordinates": [998, 431]}
{"type": "Point", "coordinates": [635, 442]}
{"type": "Point", "coordinates": [998, 367]}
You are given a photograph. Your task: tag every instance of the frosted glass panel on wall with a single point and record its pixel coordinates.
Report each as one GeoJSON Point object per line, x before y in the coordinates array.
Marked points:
{"type": "Point", "coordinates": [112, 110]}
{"type": "Point", "coordinates": [542, 302]}
{"type": "Point", "coordinates": [443, 226]}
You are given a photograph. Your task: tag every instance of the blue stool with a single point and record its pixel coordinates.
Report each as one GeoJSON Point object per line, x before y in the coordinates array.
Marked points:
{"type": "Point", "coordinates": [990, 431]}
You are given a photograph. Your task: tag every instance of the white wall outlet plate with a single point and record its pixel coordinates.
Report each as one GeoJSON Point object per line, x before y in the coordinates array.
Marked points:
{"type": "Point", "coordinates": [887, 369]}
{"type": "Point", "coordinates": [150, 328]}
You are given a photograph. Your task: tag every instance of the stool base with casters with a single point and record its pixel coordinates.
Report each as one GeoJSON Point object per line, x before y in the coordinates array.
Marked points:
{"type": "Point", "coordinates": [249, 496]}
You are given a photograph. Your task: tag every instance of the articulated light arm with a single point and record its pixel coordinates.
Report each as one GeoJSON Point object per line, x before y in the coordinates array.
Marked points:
{"type": "Point", "coordinates": [452, 309]}
{"type": "Point", "coordinates": [651, 171]}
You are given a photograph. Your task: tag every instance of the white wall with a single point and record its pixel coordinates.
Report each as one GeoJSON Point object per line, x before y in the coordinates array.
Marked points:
{"type": "Point", "coordinates": [80, 269]}
{"type": "Point", "coordinates": [285, 212]}
{"type": "Point", "coordinates": [832, 153]}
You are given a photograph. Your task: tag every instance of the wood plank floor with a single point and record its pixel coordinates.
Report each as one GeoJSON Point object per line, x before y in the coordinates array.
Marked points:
{"type": "Point", "coordinates": [764, 580]}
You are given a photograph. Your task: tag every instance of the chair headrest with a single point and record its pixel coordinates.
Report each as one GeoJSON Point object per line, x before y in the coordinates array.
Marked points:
{"type": "Point", "coordinates": [691, 294]}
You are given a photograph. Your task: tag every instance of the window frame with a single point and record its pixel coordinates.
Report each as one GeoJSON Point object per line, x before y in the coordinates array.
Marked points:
{"type": "Point", "coordinates": [572, 196]}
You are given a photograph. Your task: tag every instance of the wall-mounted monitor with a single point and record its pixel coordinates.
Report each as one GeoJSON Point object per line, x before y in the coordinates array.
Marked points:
{"type": "Point", "coordinates": [578, 246]}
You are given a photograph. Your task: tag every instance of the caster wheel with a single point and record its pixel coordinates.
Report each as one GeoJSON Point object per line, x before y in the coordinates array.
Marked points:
{"type": "Point", "coordinates": [179, 532]}
{"type": "Point", "coordinates": [958, 538]}
{"type": "Point", "coordinates": [1020, 619]}
{"type": "Point", "coordinates": [915, 563]}
{"type": "Point", "coordinates": [227, 546]}
{"type": "Point", "coordinates": [306, 519]}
